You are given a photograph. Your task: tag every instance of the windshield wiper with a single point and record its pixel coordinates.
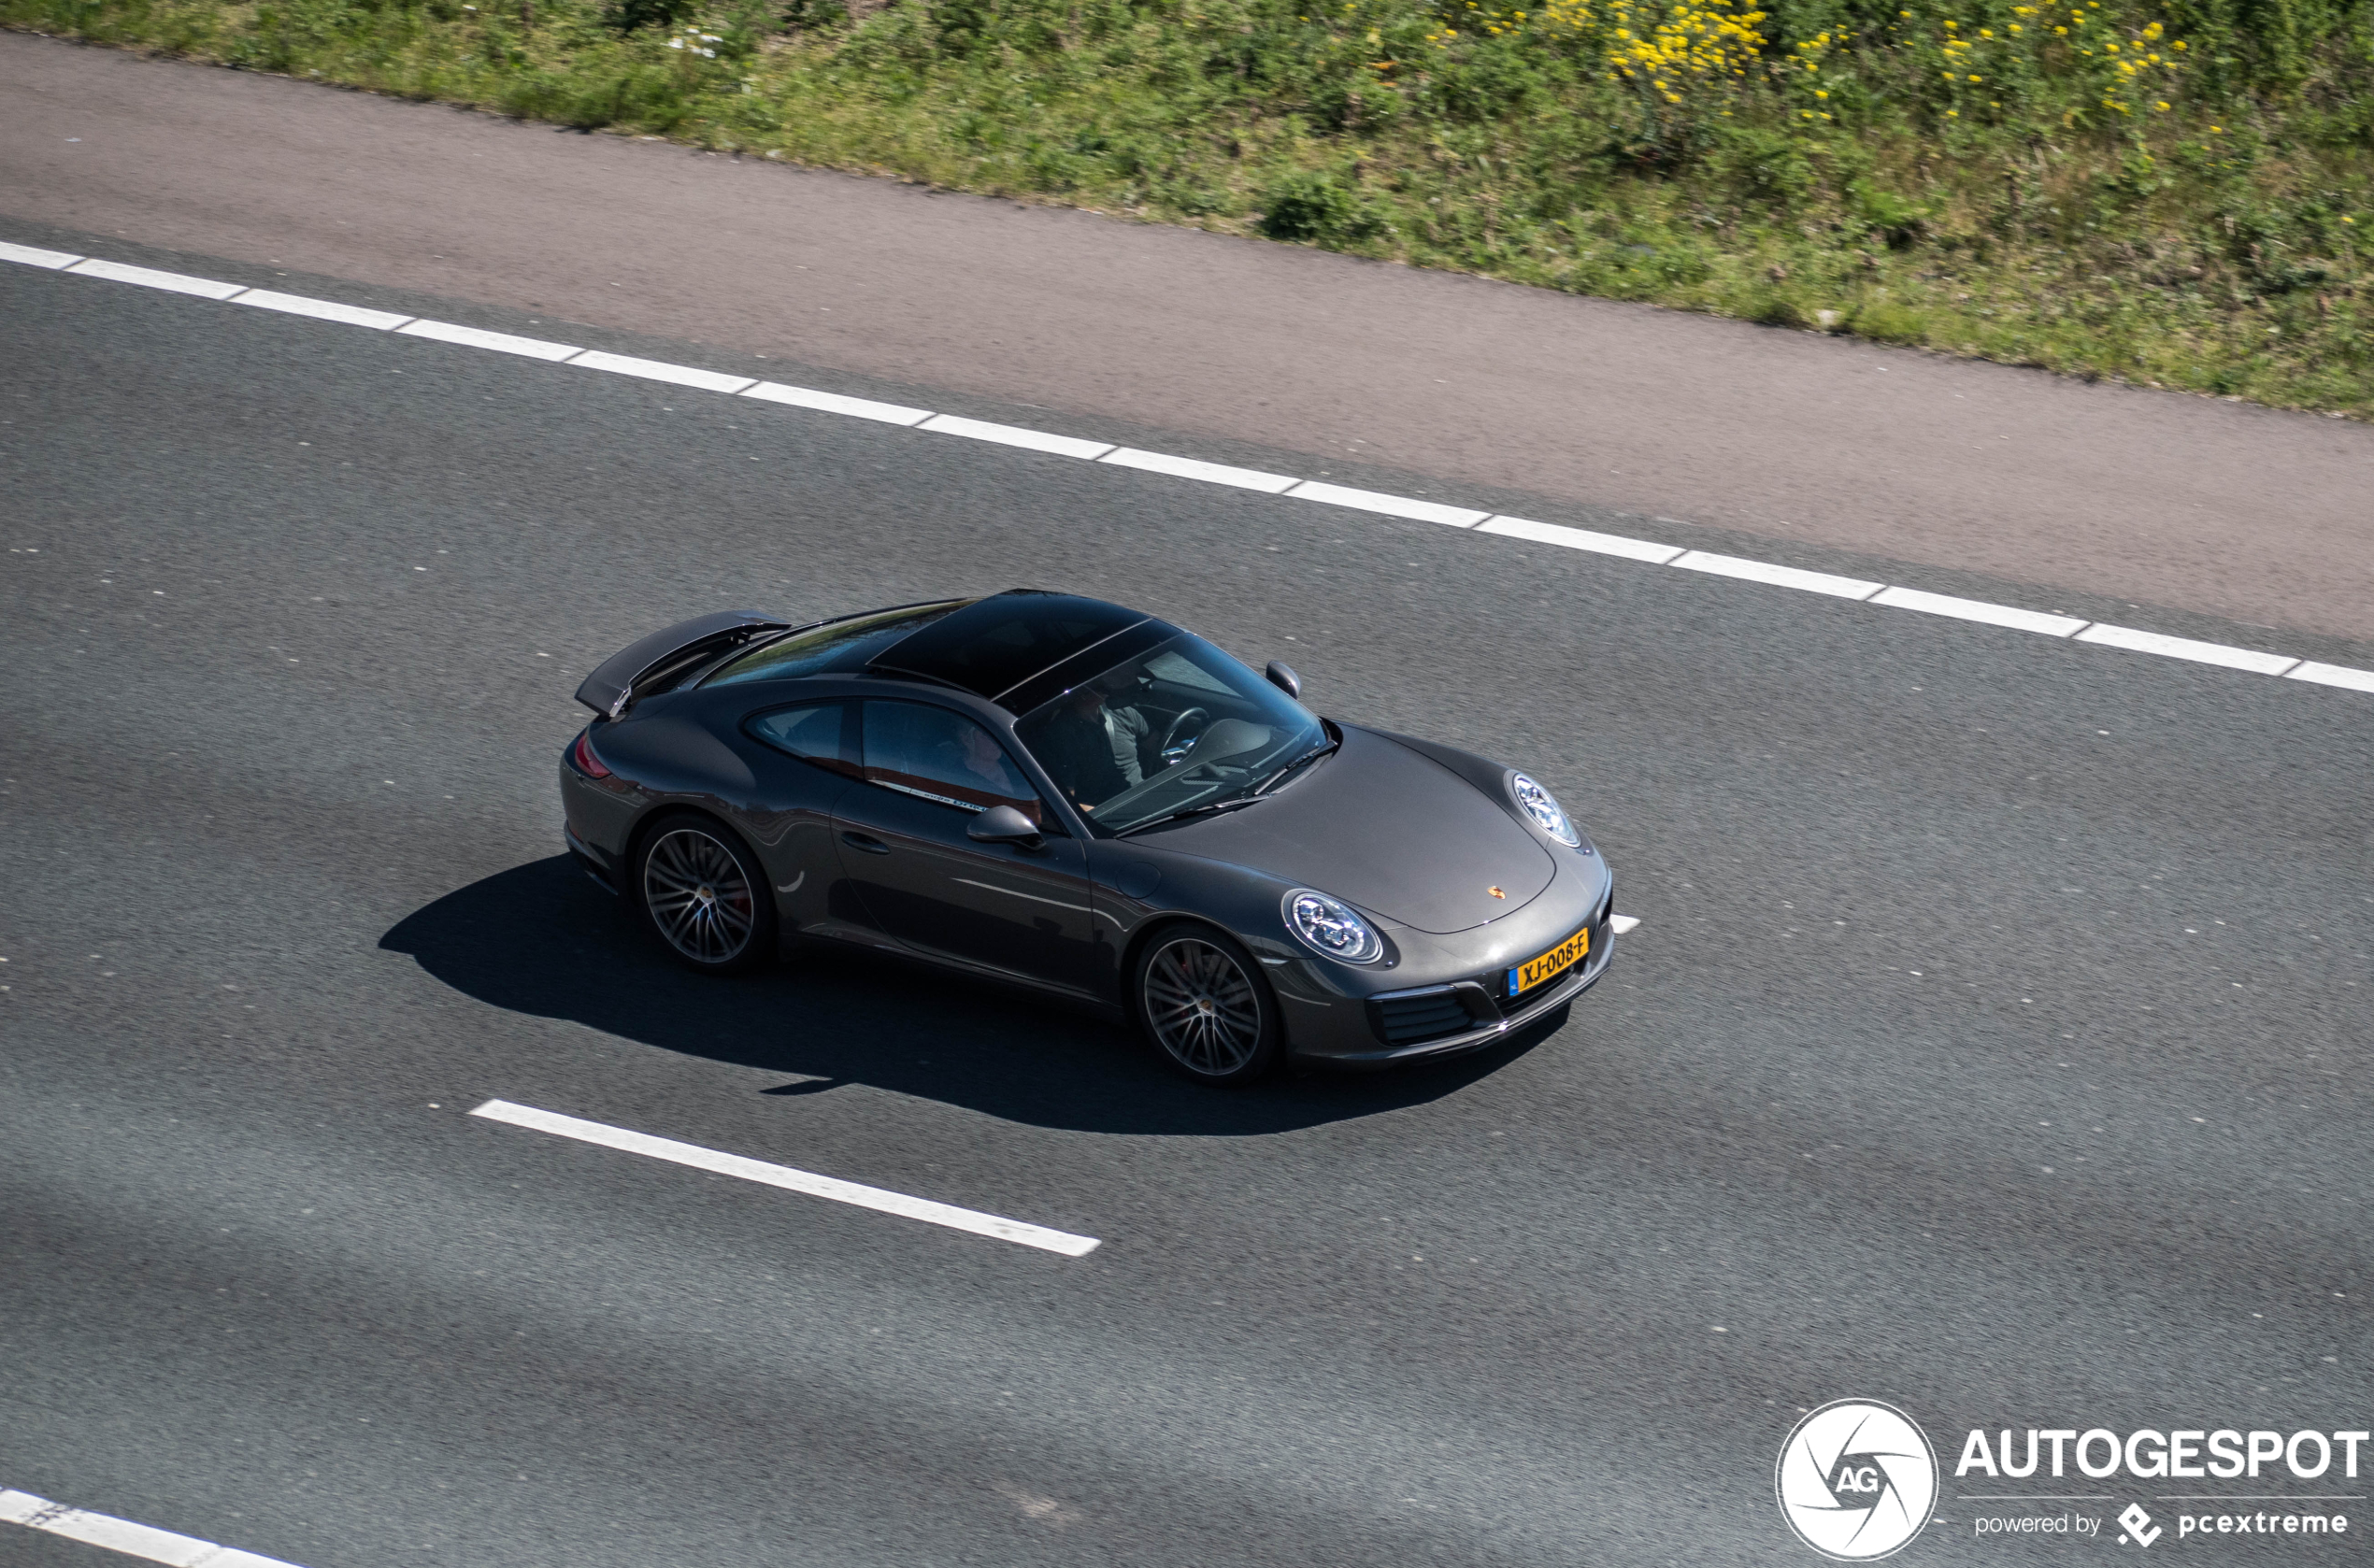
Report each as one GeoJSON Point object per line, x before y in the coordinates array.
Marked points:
{"type": "Point", "coordinates": [1207, 809]}
{"type": "Point", "coordinates": [1277, 780]}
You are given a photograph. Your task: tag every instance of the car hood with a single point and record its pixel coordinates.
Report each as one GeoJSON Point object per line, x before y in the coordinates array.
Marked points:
{"type": "Point", "coordinates": [1386, 829]}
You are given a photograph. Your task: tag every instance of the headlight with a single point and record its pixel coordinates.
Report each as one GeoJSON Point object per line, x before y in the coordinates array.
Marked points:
{"type": "Point", "coordinates": [1542, 806]}
{"type": "Point", "coordinates": [1332, 929]}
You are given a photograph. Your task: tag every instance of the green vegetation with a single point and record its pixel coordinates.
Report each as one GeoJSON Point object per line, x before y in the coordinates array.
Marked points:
{"type": "Point", "coordinates": [2175, 191]}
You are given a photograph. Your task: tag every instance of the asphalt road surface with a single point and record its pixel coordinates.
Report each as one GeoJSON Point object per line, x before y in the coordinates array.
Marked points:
{"type": "Point", "coordinates": [1995, 1042]}
{"type": "Point", "coordinates": [2187, 502]}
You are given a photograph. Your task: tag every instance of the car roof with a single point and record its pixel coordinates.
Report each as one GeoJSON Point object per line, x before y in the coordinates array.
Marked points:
{"type": "Point", "coordinates": [993, 646]}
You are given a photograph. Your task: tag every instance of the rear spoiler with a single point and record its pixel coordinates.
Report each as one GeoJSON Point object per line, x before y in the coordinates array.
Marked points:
{"type": "Point", "coordinates": [611, 689]}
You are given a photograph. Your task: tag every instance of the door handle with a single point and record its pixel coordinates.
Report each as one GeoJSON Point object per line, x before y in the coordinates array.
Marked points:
{"type": "Point", "coordinates": [866, 842]}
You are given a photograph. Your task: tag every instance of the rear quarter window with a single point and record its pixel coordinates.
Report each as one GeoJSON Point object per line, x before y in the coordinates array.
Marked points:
{"type": "Point", "coordinates": [817, 732]}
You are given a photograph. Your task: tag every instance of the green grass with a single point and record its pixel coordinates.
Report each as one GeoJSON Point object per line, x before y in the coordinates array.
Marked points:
{"type": "Point", "coordinates": [1958, 177]}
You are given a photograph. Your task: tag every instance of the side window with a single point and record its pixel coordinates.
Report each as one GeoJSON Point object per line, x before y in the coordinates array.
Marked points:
{"type": "Point", "coordinates": [815, 733]}
{"type": "Point", "coordinates": [941, 756]}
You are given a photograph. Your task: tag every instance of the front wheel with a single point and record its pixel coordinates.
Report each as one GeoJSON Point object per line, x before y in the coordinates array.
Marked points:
{"type": "Point", "coordinates": [704, 896]}
{"type": "Point", "coordinates": [1202, 1000]}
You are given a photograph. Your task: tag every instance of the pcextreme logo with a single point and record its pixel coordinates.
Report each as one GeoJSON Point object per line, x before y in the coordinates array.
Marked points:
{"type": "Point", "coordinates": [1856, 1480]}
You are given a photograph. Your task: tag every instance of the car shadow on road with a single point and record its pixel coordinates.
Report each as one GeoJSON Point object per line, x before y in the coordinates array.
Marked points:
{"type": "Point", "coordinates": [541, 939]}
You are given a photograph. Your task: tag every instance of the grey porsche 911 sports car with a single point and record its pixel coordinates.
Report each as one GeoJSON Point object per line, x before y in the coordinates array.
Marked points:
{"type": "Point", "coordinates": [1065, 795]}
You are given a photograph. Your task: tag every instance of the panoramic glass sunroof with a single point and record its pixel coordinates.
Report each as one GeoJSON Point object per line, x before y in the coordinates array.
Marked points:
{"type": "Point", "coordinates": [993, 645]}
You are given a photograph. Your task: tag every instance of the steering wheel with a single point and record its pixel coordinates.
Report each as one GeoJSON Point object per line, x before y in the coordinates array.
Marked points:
{"type": "Point", "coordinates": [1173, 750]}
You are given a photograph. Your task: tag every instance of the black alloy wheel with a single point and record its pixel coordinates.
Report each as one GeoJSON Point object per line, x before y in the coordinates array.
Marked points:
{"type": "Point", "coordinates": [705, 895]}
{"type": "Point", "coordinates": [1202, 1001]}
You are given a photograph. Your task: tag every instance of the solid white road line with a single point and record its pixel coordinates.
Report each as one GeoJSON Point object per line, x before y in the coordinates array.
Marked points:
{"type": "Point", "coordinates": [1621, 924]}
{"type": "Point", "coordinates": [123, 1535]}
{"type": "Point", "coordinates": [1391, 506]}
{"type": "Point", "coordinates": [2331, 675]}
{"type": "Point", "coordinates": [1581, 538]}
{"type": "Point", "coordinates": [321, 309]}
{"type": "Point", "coordinates": [791, 1180]}
{"type": "Point", "coordinates": [660, 370]}
{"type": "Point", "coordinates": [2182, 647]}
{"type": "Point", "coordinates": [1779, 577]}
{"type": "Point", "coordinates": [834, 403]}
{"type": "Point", "coordinates": [148, 277]}
{"type": "Point", "coordinates": [1215, 473]}
{"type": "Point", "coordinates": [33, 255]}
{"type": "Point", "coordinates": [1195, 468]}
{"type": "Point", "coordinates": [1978, 609]}
{"type": "Point", "coordinates": [501, 342]}
{"type": "Point", "coordinates": [1015, 435]}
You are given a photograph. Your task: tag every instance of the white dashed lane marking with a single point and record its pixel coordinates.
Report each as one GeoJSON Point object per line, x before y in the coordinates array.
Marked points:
{"type": "Point", "coordinates": [2331, 675]}
{"type": "Point", "coordinates": [878, 1199]}
{"type": "Point", "coordinates": [834, 403]}
{"type": "Point", "coordinates": [123, 1535]}
{"type": "Point", "coordinates": [1391, 506]}
{"type": "Point", "coordinates": [658, 370]}
{"type": "Point", "coordinates": [321, 309]}
{"type": "Point", "coordinates": [1979, 610]}
{"type": "Point", "coordinates": [33, 255]}
{"type": "Point", "coordinates": [1015, 435]}
{"type": "Point", "coordinates": [2184, 647]}
{"type": "Point", "coordinates": [148, 277]}
{"type": "Point", "coordinates": [1581, 538]}
{"type": "Point", "coordinates": [501, 342]}
{"type": "Point", "coordinates": [1778, 577]}
{"type": "Point", "coordinates": [1196, 470]}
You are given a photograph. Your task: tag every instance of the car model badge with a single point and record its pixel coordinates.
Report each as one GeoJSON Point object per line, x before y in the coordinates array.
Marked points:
{"type": "Point", "coordinates": [1497, 894]}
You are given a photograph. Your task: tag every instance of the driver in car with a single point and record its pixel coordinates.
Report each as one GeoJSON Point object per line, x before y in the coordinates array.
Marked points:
{"type": "Point", "coordinates": [1090, 746]}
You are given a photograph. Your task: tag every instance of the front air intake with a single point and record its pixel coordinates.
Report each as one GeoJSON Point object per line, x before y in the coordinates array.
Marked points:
{"type": "Point", "coordinates": [1429, 1014]}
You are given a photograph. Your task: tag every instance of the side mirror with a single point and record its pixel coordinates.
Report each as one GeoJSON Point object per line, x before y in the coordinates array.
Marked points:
{"type": "Point", "coordinates": [1283, 677]}
{"type": "Point", "coordinates": [1003, 824]}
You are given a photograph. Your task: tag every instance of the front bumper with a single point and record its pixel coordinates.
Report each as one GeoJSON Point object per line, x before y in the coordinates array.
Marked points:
{"type": "Point", "coordinates": [1451, 999]}
{"type": "Point", "coordinates": [1488, 1030]}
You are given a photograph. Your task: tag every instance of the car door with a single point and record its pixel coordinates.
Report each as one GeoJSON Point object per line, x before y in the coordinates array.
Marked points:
{"type": "Point", "coordinates": [900, 833]}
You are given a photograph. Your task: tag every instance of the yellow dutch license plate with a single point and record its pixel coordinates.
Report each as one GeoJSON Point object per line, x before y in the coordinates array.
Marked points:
{"type": "Point", "coordinates": [1555, 961]}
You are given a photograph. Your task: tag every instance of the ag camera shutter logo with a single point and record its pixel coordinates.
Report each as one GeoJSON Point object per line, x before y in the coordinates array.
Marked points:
{"type": "Point", "coordinates": [1856, 1480]}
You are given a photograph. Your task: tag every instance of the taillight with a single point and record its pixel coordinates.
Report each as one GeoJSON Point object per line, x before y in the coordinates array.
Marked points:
{"type": "Point", "coordinates": [582, 757]}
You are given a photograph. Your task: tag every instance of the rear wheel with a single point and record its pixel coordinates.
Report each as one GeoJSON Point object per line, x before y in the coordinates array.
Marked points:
{"type": "Point", "coordinates": [1203, 1002]}
{"type": "Point", "coordinates": [704, 896]}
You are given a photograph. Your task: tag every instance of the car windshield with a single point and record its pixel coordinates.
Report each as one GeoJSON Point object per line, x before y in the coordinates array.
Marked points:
{"type": "Point", "coordinates": [1181, 726]}
{"type": "Point", "coordinates": [846, 643]}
